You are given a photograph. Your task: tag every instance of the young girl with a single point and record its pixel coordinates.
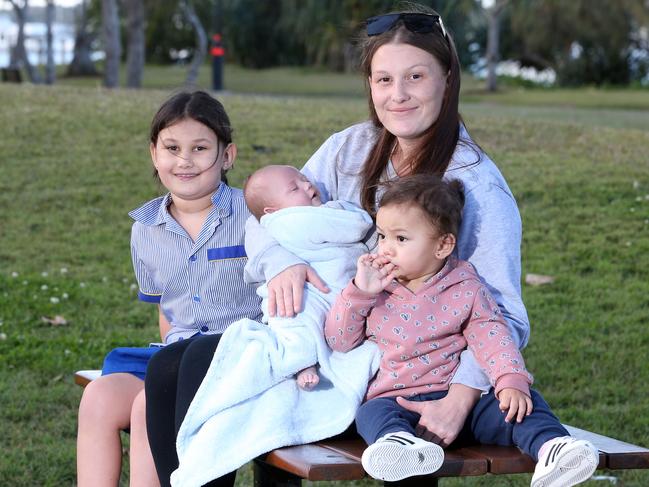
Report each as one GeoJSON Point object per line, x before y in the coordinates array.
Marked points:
{"type": "Point", "coordinates": [423, 307]}
{"type": "Point", "coordinates": [188, 257]}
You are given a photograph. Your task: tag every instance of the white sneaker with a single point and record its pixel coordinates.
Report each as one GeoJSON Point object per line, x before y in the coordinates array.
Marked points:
{"type": "Point", "coordinates": [397, 456]}
{"type": "Point", "coordinates": [564, 462]}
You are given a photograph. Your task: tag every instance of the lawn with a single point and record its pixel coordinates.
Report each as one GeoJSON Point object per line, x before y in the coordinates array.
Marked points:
{"type": "Point", "coordinates": [75, 161]}
{"type": "Point", "coordinates": [316, 82]}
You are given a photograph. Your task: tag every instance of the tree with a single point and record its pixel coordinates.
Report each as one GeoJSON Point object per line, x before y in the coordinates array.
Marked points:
{"type": "Point", "coordinates": [323, 33]}
{"type": "Point", "coordinates": [252, 30]}
{"type": "Point", "coordinates": [261, 34]}
{"type": "Point", "coordinates": [82, 64]}
{"type": "Point", "coordinates": [19, 56]}
{"type": "Point", "coordinates": [112, 43]}
{"type": "Point", "coordinates": [584, 41]}
{"type": "Point", "coordinates": [494, 13]}
{"type": "Point", "coordinates": [200, 51]}
{"type": "Point", "coordinates": [168, 30]}
{"type": "Point", "coordinates": [135, 48]}
{"type": "Point", "coordinates": [50, 69]}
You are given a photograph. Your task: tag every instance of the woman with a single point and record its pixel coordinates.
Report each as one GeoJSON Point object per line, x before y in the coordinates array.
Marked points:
{"type": "Point", "coordinates": [413, 74]}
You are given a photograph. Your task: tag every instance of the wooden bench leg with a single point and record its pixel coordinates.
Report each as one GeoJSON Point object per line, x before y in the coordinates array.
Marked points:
{"type": "Point", "coordinates": [413, 482]}
{"type": "Point", "coordinates": [268, 476]}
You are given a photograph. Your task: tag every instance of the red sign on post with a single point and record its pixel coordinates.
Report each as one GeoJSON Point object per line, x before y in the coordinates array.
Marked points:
{"type": "Point", "coordinates": [217, 50]}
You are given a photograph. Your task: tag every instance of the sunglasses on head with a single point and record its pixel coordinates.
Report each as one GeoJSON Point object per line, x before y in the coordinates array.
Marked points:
{"type": "Point", "coordinates": [414, 22]}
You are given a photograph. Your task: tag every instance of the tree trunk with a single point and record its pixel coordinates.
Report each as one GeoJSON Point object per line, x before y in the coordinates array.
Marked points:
{"type": "Point", "coordinates": [50, 67]}
{"type": "Point", "coordinates": [200, 51]}
{"type": "Point", "coordinates": [82, 64]}
{"type": "Point", "coordinates": [16, 56]}
{"type": "Point", "coordinates": [19, 56]}
{"type": "Point", "coordinates": [135, 49]}
{"type": "Point", "coordinates": [493, 42]}
{"type": "Point", "coordinates": [112, 45]}
{"type": "Point", "coordinates": [350, 56]}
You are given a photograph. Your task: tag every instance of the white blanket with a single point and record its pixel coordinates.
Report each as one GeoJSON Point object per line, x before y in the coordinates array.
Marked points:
{"type": "Point", "coordinates": [249, 402]}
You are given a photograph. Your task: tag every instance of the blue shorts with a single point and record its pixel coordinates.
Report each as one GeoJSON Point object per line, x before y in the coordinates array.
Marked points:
{"type": "Point", "coordinates": [129, 360]}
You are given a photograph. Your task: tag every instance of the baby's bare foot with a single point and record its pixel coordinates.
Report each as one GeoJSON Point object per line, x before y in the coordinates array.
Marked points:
{"type": "Point", "coordinates": [308, 378]}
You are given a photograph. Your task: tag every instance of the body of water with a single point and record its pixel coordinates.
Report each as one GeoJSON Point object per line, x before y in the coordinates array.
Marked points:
{"type": "Point", "coordinates": [35, 41]}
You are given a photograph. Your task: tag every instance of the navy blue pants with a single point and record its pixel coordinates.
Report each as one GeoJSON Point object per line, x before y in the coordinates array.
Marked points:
{"type": "Point", "coordinates": [485, 424]}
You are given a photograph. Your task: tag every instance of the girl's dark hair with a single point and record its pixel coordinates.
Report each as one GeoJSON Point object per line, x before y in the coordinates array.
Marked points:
{"type": "Point", "coordinates": [441, 200]}
{"type": "Point", "coordinates": [196, 105]}
{"type": "Point", "coordinates": [439, 141]}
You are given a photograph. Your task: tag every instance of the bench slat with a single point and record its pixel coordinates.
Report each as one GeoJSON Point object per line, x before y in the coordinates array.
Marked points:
{"type": "Point", "coordinates": [85, 377]}
{"type": "Point", "coordinates": [351, 448]}
{"type": "Point", "coordinates": [605, 443]}
{"type": "Point", "coordinates": [501, 459]}
{"type": "Point", "coordinates": [458, 464]}
{"type": "Point", "coordinates": [314, 462]}
{"type": "Point", "coordinates": [627, 460]}
{"type": "Point", "coordinates": [619, 454]}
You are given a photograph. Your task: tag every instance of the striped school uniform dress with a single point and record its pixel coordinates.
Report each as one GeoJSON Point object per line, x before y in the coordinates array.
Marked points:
{"type": "Point", "coordinates": [198, 284]}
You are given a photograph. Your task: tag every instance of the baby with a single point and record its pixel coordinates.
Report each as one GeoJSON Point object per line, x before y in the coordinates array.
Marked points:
{"type": "Point", "coordinates": [256, 363]}
{"type": "Point", "coordinates": [273, 188]}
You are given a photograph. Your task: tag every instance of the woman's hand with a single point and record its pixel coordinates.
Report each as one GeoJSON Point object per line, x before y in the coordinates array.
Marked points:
{"type": "Point", "coordinates": [286, 289]}
{"type": "Point", "coordinates": [442, 420]}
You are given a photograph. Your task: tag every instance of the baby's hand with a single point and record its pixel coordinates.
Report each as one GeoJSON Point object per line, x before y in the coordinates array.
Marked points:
{"type": "Point", "coordinates": [373, 273]}
{"type": "Point", "coordinates": [516, 403]}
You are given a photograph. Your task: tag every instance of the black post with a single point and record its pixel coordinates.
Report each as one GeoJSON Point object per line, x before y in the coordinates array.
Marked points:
{"type": "Point", "coordinates": [217, 50]}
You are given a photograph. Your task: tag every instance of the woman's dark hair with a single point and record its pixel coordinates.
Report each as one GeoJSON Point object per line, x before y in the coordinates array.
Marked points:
{"type": "Point", "coordinates": [439, 141]}
{"type": "Point", "coordinates": [196, 105]}
{"type": "Point", "coordinates": [441, 200]}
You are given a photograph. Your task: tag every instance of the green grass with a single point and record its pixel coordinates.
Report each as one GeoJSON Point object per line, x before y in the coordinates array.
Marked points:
{"type": "Point", "coordinates": [316, 82]}
{"type": "Point", "coordinates": [277, 81]}
{"type": "Point", "coordinates": [627, 99]}
{"type": "Point", "coordinates": [75, 161]}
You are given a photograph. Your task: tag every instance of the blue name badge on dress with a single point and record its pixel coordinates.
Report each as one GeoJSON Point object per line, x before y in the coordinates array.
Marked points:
{"type": "Point", "coordinates": [226, 253]}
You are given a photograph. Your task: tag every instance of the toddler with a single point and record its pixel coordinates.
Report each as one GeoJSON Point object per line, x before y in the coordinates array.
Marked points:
{"type": "Point", "coordinates": [422, 306]}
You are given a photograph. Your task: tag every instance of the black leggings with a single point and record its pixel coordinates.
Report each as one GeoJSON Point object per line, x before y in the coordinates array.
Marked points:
{"type": "Point", "coordinates": [173, 377]}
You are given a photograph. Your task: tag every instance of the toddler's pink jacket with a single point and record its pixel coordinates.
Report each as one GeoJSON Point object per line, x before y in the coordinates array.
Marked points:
{"type": "Point", "coordinates": [421, 335]}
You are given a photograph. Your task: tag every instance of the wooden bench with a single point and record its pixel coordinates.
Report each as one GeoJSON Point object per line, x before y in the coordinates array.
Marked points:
{"type": "Point", "coordinates": [340, 459]}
